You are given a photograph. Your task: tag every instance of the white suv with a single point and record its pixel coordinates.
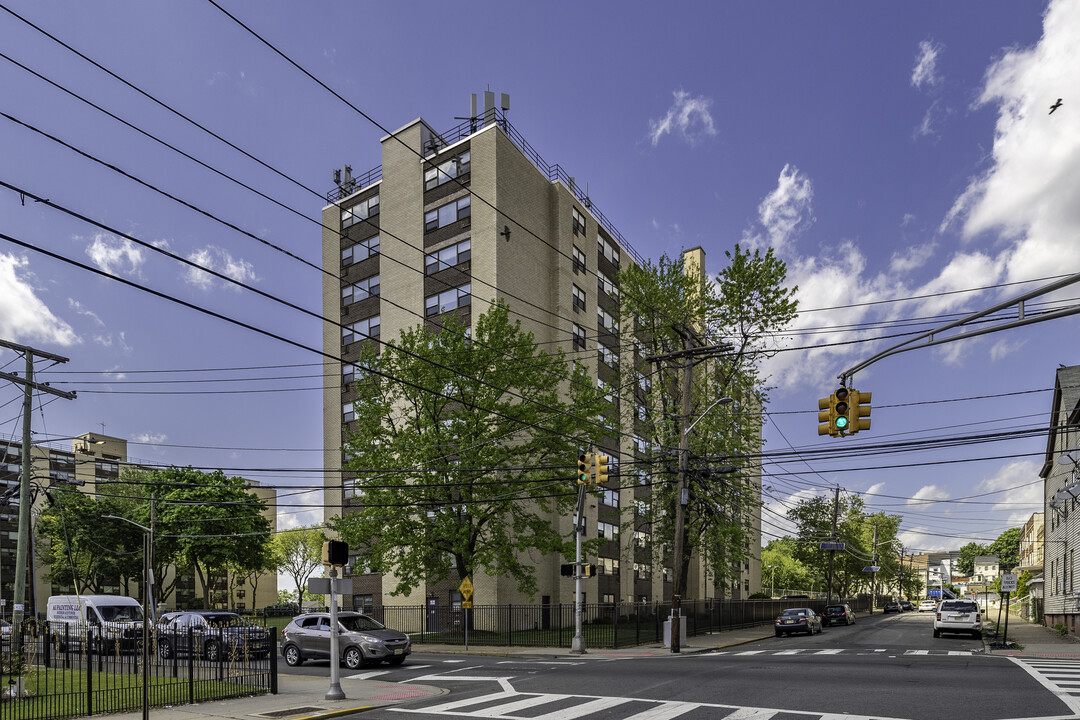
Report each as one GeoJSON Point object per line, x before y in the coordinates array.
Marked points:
{"type": "Point", "coordinates": [958, 616]}
{"type": "Point", "coordinates": [927, 605]}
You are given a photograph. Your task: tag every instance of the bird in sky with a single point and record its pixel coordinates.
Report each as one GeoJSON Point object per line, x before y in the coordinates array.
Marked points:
{"type": "Point", "coordinates": [1055, 106]}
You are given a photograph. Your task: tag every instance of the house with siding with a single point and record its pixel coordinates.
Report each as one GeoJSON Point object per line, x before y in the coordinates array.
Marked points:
{"type": "Point", "coordinates": [1061, 489]}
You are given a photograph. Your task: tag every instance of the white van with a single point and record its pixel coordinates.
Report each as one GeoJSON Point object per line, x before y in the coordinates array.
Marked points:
{"type": "Point", "coordinates": [115, 620]}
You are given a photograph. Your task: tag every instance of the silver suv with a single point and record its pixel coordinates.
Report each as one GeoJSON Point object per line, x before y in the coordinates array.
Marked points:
{"type": "Point", "coordinates": [361, 639]}
{"type": "Point", "coordinates": [958, 616]}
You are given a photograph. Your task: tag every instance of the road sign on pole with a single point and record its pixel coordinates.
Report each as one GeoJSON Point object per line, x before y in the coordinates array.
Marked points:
{"type": "Point", "coordinates": [1008, 582]}
{"type": "Point", "coordinates": [832, 546]}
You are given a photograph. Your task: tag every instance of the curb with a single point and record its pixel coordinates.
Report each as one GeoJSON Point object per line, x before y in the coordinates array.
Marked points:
{"type": "Point", "coordinates": [335, 713]}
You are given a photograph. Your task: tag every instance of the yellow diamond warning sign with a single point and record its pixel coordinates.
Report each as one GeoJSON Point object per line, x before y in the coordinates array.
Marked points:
{"type": "Point", "coordinates": [466, 588]}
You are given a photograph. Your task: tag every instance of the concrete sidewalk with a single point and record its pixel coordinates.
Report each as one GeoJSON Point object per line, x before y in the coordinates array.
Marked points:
{"type": "Point", "coordinates": [301, 697]}
{"type": "Point", "coordinates": [1031, 640]}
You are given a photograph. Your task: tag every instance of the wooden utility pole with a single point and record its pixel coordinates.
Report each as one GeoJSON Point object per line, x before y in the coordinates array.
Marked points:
{"type": "Point", "coordinates": [22, 548]}
{"type": "Point", "coordinates": [832, 553]}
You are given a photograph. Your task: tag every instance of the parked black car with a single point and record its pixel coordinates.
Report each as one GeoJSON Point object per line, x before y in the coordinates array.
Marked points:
{"type": "Point", "coordinates": [893, 607]}
{"type": "Point", "coordinates": [795, 620]}
{"type": "Point", "coordinates": [210, 633]}
{"type": "Point", "coordinates": [838, 615]}
{"type": "Point", "coordinates": [906, 606]}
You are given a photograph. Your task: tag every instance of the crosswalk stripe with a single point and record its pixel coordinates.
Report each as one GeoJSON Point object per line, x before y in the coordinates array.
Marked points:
{"type": "Point", "coordinates": [367, 675]}
{"type": "Point", "coordinates": [456, 704]}
{"type": "Point", "coordinates": [749, 652]}
{"type": "Point", "coordinates": [751, 714]}
{"type": "Point", "coordinates": [670, 709]}
{"type": "Point", "coordinates": [797, 651]}
{"type": "Point", "coordinates": [831, 651]}
{"type": "Point", "coordinates": [528, 702]}
{"type": "Point", "coordinates": [584, 709]}
{"type": "Point", "coordinates": [917, 652]}
{"type": "Point", "coordinates": [959, 652]}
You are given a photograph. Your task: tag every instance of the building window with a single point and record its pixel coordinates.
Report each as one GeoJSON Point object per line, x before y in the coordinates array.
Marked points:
{"type": "Point", "coordinates": [348, 412]}
{"type": "Point", "coordinates": [448, 257]}
{"type": "Point", "coordinates": [366, 328]}
{"type": "Point", "coordinates": [608, 250]}
{"type": "Point", "coordinates": [607, 566]}
{"type": "Point", "coordinates": [607, 531]}
{"type": "Point", "coordinates": [360, 211]}
{"type": "Point", "coordinates": [579, 337]}
{"type": "Point", "coordinates": [610, 498]}
{"type": "Point", "coordinates": [644, 383]}
{"type": "Point", "coordinates": [447, 171]}
{"type": "Point", "coordinates": [449, 213]}
{"type": "Point", "coordinates": [669, 574]}
{"type": "Point", "coordinates": [448, 300]}
{"type": "Point", "coordinates": [579, 223]}
{"type": "Point", "coordinates": [579, 298]}
{"type": "Point", "coordinates": [642, 571]}
{"type": "Point", "coordinates": [579, 261]}
{"type": "Point", "coordinates": [606, 286]}
{"type": "Point", "coordinates": [364, 603]}
{"type": "Point", "coordinates": [606, 321]}
{"type": "Point", "coordinates": [608, 599]}
{"type": "Point", "coordinates": [605, 390]}
{"type": "Point", "coordinates": [360, 251]}
{"type": "Point", "coordinates": [368, 287]}
{"type": "Point", "coordinates": [640, 445]}
{"type": "Point", "coordinates": [607, 356]}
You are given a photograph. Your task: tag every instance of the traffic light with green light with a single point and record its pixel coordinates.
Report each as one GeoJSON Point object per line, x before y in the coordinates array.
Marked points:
{"type": "Point", "coordinates": [584, 468]}
{"type": "Point", "coordinates": [840, 408]}
{"type": "Point", "coordinates": [859, 411]}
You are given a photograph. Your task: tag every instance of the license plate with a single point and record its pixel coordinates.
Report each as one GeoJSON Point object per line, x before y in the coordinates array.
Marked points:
{"type": "Point", "coordinates": [398, 651]}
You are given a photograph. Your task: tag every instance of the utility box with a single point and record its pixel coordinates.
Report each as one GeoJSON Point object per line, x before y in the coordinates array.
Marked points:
{"type": "Point", "coordinates": [682, 632]}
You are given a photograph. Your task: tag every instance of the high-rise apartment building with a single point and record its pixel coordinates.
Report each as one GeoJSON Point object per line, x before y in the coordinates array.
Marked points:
{"type": "Point", "coordinates": [449, 223]}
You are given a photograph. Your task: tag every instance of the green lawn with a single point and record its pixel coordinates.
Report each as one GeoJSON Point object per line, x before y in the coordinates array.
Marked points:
{"type": "Point", "coordinates": [53, 695]}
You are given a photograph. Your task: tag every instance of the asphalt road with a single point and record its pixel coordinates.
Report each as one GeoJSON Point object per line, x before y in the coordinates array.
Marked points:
{"type": "Point", "coordinates": [881, 667]}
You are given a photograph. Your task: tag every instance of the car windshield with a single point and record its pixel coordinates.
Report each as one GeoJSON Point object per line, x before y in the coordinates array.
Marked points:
{"type": "Point", "coordinates": [360, 623]}
{"type": "Point", "coordinates": [120, 613]}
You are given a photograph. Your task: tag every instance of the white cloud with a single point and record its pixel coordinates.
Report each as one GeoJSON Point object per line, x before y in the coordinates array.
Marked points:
{"type": "Point", "coordinates": [149, 438]}
{"type": "Point", "coordinates": [688, 116]}
{"type": "Point", "coordinates": [24, 317]}
{"type": "Point", "coordinates": [85, 312]}
{"type": "Point", "coordinates": [221, 261]}
{"type": "Point", "coordinates": [785, 212]}
{"type": "Point", "coordinates": [925, 70]}
{"type": "Point", "coordinates": [115, 255]}
{"type": "Point", "coordinates": [911, 258]}
{"type": "Point", "coordinates": [1026, 199]}
{"type": "Point", "coordinates": [928, 492]}
{"type": "Point", "coordinates": [1004, 348]}
{"type": "Point", "coordinates": [1021, 490]}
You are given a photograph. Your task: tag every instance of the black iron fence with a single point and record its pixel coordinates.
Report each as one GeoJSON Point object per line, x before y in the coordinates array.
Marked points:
{"type": "Point", "coordinates": [604, 625]}
{"type": "Point", "coordinates": [69, 670]}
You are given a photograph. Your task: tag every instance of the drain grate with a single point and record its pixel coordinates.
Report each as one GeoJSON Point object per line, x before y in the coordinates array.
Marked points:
{"type": "Point", "coordinates": [291, 711]}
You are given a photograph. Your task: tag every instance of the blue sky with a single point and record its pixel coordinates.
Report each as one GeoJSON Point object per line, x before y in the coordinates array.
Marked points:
{"type": "Point", "coordinates": [892, 154]}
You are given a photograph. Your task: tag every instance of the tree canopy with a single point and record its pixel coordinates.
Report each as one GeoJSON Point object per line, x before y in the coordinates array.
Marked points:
{"type": "Point", "coordinates": [298, 552]}
{"type": "Point", "coordinates": [463, 450]}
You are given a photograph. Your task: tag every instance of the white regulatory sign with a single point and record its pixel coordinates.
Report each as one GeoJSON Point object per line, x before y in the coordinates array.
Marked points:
{"type": "Point", "coordinates": [1008, 582]}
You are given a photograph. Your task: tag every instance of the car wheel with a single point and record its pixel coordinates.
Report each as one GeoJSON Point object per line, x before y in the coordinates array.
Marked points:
{"type": "Point", "coordinates": [353, 658]}
{"type": "Point", "coordinates": [292, 656]}
{"type": "Point", "coordinates": [164, 650]}
{"type": "Point", "coordinates": [937, 633]}
{"type": "Point", "coordinates": [778, 633]}
{"type": "Point", "coordinates": [396, 660]}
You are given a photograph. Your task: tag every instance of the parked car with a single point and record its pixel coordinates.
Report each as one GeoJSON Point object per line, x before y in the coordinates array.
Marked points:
{"type": "Point", "coordinates": [906, 606]}
{"type": "Point", "coordinates": [893, 607]}
{"type": "Point", "coordinates": [209, 633]}
{"type": "Point", "coordinates": [795, 620]}
{"type": "Point", "coordinates": [838, 615]}
{"type": "Point", "coordinates": [958, 616]}
{"type": "Point", "coordinates": [927, 605]}
{"type": "Point", "coordinates": [361, 639]}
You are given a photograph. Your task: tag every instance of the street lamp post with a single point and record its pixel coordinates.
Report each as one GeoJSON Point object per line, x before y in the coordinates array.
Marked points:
{"type": "Point", "coordinates": [148, 580]}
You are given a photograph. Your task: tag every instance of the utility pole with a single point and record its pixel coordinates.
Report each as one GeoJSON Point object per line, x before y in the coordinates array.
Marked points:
{"type": "Point", "coordinates": [22, 548]}
{"type": "Point", "coordinates": [873, 575]}
{"type": "Point", "coordinates": [688, 353]}
{"type": "Point", "coordinates": [832, 553]}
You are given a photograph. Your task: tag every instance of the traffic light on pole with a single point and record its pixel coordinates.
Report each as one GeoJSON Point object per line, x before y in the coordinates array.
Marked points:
{"type": "Point", "coordinates": [600, 477]}
{"type": "Point", "coordinates": [840, 409]}
{"type": "Point", "coordinates": [825, 416]}
{"type": "Point", "coordinates": [584, 471]}
{"type": "Point", "coordinates": [859, 411]}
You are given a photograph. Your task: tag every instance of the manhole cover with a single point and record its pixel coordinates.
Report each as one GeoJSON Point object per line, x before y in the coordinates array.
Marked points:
{"type": "Point", "coordinates": [291, 711]}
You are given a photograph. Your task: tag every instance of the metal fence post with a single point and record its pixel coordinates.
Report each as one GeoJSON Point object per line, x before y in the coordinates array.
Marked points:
{"type": "Point", "coordinates": [191, 665]}
{"type": "Point", "coordinates": [89, 674]}
{"type": "Point", "coordinates": [273, 661]}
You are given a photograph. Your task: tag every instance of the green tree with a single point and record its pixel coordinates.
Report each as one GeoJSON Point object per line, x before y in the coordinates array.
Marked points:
{"type": "Point", "coordinates": [298, 553]}
{"type": "Point", "coordinates": [463, 451]}
{"type": "Point", "coordinates": [1007, 549]}
{"type": "Point", "coordinates": [668, 306]}
{"type": "Point", "coordinates": [209, 522]}
{"type": "Point", "coordinates": [965, 565]}
{"type": "Point", "coordinates": [780, 570]}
